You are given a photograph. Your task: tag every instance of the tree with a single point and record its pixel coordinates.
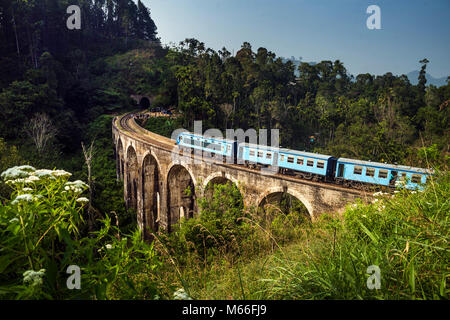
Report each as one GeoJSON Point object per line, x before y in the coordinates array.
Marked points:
{"type": "Point", "coordinates": [422, 78]}
{"type": "Point", "coordinates": [41, 131]}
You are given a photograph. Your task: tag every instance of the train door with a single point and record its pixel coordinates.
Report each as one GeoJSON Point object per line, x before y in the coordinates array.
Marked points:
{"type": "Point", "coordinates": [341, 168]}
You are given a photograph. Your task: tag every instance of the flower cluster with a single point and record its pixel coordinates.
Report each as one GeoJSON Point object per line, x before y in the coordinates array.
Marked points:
{"type": "Point", "coordinates": [28, 174]}
{"type": "Point", "coordinates": [83, 200]}
{"type": "Point", "coordinates": [33, 278]}
{"type": "Point", "coordinates": [180, 294]}
{"type": "Point", "coordinates": [77, 186]}
{"type": "Point", "coordinates": [17, 172]}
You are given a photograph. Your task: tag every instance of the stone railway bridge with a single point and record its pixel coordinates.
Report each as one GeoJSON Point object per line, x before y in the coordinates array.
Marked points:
{"type": "Point", "coordinates": [155, 181]}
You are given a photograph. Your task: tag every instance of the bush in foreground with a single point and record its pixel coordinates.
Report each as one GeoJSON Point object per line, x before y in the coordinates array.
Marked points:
{"type": "Point", "coordinates": [42, 233]}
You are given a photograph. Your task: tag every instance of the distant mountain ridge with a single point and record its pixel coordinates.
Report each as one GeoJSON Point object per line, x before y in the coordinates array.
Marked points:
{"type": "Point", "coordinates": [414, 75]}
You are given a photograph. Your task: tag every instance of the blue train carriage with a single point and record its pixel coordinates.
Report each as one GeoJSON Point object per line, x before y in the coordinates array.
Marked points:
{"type": "Point", "coordinates": [256, 156]}
{"type": "Point", "coordinates": [307, 165]}
{"type": "Point", "coordinates": [302, 164]}
{"type": "Point", "coordinates": [356, 172]}
{"type": "Point", "coordinates": [226, 149]}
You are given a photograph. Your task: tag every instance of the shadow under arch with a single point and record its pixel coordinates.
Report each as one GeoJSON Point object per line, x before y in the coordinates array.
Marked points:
{"type": "Point", "coordinates": [132, 178]}
{"type": "Point", "coordinates": [181, 198]}
{"type": "Point", "coordinates": [119, 159]}
{"type": "Point", "coordinates": [151, 187]}
{"type": "Point", "coordinates": [286, 200]}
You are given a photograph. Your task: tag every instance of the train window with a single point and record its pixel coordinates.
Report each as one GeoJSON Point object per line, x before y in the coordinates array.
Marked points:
{"type": "Point", "coordinates": [290, 159]}
{"type": "Point", "coordinates": [416, 178]}
{"type": "Point", "coordinates": [251, 153]}
{"type": "Point", "coordinates": [310, 163]}
{"type": "Point", "coordinates": [260, 154]}
{"type": "Point", "coordinates": [269, 155]}
{"type": "Point", "coordinates": [300, 161]}
{"type": "Point", "coordinates": [357, 170]}
{"type": "Point", "coordinates": [282, 157]}
{"type": "Point", "coordinates": [370, 172]}
{"type": "Point", "coordinates": [383, 174]}
{"type": "Point", "coordinates": [320, 164]}
{"type": "Point", "coordinates": [403, 176]}
{"type": "Point", "coordinates": [228, 148]}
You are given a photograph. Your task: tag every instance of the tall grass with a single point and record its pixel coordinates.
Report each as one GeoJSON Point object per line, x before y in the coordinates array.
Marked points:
{"type": "Point", "coordinates": [281, 256]}
{"type": "Point", "coordinates": [406, 235]}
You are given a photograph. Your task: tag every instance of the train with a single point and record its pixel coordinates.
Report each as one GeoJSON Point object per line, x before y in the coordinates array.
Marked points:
{"type": "Point", "coordinates": [306, 165]}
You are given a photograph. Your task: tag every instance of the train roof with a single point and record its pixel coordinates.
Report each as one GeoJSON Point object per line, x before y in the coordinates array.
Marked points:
{"type": "Point", "coordinates": [206, 137]}
{"type": "Point", "coordinates": [385, 165]}
{"type": "Point", "coordinates": [287, 151]}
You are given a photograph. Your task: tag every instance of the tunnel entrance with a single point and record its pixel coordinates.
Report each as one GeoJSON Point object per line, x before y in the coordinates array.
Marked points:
{"type": "Point", "coordinates": [144, 103]}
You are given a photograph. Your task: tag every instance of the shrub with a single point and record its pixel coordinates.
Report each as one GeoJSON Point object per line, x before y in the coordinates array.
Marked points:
{"type": "Point", "coordinates": [42, 232]}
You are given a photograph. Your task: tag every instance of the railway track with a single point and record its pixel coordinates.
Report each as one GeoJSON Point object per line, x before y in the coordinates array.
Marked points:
{"type": "Point", "coordinates": [129, 127]}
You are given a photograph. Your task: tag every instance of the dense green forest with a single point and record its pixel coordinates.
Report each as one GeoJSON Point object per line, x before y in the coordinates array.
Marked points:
{"type": "Point", "coordinates": [60, 88]}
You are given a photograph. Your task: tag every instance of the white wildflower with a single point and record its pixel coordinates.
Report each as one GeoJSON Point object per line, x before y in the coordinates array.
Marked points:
{"type": "Point", "coordinates": [31, 179]}
{"type": "Point", "coordinates": [83, 200]}
{"type": "Point", "coordinates": [23, 198]}
{"type": "Point", "coordinates": [77, 186]}
{"type": "Point", "coordinates": [108, 246]}
{"type": "Point", "coordinates": [379, 193]}
{"type": "Point", "coordinates": [34, 278]}
{"type": "Point", "coordinates": [44, 173]}
{"type": "Point", "coordinates": [180, 294]}
{"type": "Point", "coordinates": [61, 173]}
{"type": "Point", "coordinates": [27, 189]}
{"type": "Point", "coordinates": [26, 168]}
{"type": "Point", "coordinates": [17, 172]}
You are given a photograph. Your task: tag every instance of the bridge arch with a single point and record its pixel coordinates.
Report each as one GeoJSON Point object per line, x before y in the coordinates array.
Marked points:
{"type": "Point", "coordinates": [292, 192]}
{"type": "Point", "coordinates": [220, 178]}
{"type": "Point", "coordinates": [151, 187]}
{"type": "Point", "coordinates": [181, 197]}
{"type": "Point", "coordinates": [131, 177]}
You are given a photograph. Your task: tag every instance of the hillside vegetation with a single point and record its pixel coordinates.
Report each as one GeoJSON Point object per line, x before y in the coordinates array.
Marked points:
{"type": "Point", "coordinates": [60, 90]}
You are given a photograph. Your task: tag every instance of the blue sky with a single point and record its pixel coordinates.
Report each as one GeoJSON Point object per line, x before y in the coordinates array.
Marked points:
{"type": "Point", "coordinates": [317, 30]}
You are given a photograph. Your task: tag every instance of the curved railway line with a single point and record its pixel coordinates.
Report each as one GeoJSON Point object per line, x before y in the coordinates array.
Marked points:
{"type": "Point", "coordinates": [128, 126]}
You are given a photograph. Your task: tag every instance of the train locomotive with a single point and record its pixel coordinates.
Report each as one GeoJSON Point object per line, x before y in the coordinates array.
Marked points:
{"type": "Point", "coordinates": [306, 165]}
